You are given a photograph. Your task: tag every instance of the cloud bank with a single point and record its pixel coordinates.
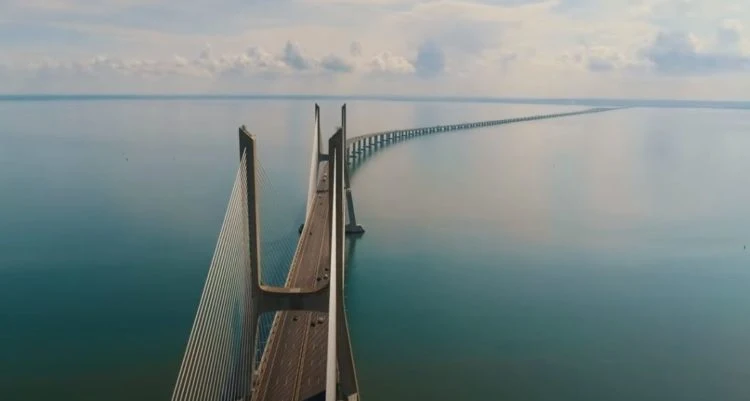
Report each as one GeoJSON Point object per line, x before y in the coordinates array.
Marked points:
{"type": "Point", "coordinates": [644, 48]}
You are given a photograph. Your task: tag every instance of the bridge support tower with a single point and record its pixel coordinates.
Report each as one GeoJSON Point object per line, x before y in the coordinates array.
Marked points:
{"type": "Point", "coordinates": [351, 228]}
{"type": "Point", "coordinates": [265, 298]}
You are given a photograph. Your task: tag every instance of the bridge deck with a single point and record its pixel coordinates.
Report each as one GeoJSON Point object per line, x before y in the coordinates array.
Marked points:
{"type": "Point", "coordinates": [293, 365]}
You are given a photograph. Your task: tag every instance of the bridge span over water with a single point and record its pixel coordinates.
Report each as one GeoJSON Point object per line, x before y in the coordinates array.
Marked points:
{"type": "Point", "coordinates": [256, 337]}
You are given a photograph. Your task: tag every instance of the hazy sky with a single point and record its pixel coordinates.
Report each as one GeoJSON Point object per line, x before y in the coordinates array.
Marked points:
{"type": "Point", "coordinates": [615, 48]}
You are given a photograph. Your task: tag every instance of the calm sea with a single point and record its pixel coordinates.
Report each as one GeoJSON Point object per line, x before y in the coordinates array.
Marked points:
{"type": "Point", "coordinates": [596, 257]}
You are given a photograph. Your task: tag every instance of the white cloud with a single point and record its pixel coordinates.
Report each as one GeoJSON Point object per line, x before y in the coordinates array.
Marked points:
{"type": "Point", "coordinates": [255, 61]}
{"type": "Point", "coordinates": [604, 59]}
{"type": "Point", "coordinates": [390, 64]}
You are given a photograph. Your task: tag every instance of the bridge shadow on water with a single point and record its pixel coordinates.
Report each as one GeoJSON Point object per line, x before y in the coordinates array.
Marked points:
{"type": "Point", "coordinates": [351, 246]}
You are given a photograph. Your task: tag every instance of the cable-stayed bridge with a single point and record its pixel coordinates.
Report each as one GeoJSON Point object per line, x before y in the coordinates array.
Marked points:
{"type": "Point", "coordinates": [271, 323]}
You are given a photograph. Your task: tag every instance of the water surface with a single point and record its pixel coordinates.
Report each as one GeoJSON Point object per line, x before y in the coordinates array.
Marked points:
{"type": "Point", "coordinates": [586, 258]}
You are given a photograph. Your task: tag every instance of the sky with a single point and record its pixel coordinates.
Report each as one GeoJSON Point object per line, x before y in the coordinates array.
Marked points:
{"type": "Point", "coordinates": [673, 49]}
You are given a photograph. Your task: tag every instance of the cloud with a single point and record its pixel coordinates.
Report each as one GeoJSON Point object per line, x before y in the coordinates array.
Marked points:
{"type": "Point", "coordinates": [387, 63]}
{"type": "Point", "coordinates": [336, 64]}
{"type": "Point", "coordinates": [606, 59]}
{"type": "Point", "coordinates": [104, 66]}
{"type": "Point", "coordinates": [430, 60]}
{"type": "Point", "coordinates": [600, 64]}
{"type": "Point", "coordinates": [355, 49]}
{"type": "Point", "coordinates": [679, 53]}
{"type": "Point", "coordinates": [729, 32]}
{"type": "Point", "coordinates": [255, 61]}
{"type": "Point", "coordinates": [294, 58]}
{"type": "Point", "coordinates": [478, 46]}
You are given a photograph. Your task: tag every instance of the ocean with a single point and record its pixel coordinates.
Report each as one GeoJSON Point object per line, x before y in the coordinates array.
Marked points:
{"type": "Point", "coordinates": [594, 257]}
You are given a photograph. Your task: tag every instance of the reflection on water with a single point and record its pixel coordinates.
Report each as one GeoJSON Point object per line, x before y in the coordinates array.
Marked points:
{"type": "Point", "coordinates": [598, 257]}
{"type": "Point", "coordinates": [585, 258]}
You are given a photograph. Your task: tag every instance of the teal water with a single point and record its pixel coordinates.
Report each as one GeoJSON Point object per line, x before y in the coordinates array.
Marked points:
{"type": "Point", "coordinates": [595, 257]}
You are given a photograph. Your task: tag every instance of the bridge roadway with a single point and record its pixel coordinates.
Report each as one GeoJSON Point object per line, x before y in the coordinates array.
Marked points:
{"type": "Point", "coordinates": [293, 366]}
